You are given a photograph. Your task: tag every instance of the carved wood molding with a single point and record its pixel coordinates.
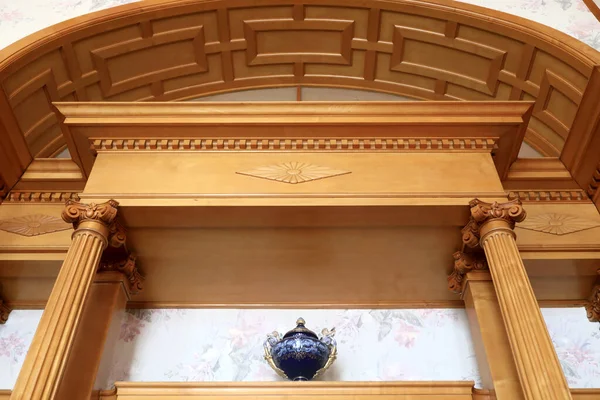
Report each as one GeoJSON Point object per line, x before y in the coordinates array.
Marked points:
{"type": "Point", "coordinates": [595, 183]}
{"type": "Point", "coordinates": [463, 263]}
{"type": "Point", "coordinates": [428, 50]}
{"type": "Point", "coordinates": [128, 268]}
{"type": "Point", "coordinates": [40, 197]}
{"type": "Point", "coordinates": [458, 390]}
{"type": "Point", "coordinates": [563, 196]}
{"type": "Point", "coordinates": [592, 306]}
{"type": "Point", "coordinates": [297, 144]}
{"type": "Point", "coordinates": [4, 311]}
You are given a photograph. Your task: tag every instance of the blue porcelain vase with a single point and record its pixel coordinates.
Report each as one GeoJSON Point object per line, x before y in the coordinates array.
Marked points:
{"type": "Point", "coordinates": [300, 355]}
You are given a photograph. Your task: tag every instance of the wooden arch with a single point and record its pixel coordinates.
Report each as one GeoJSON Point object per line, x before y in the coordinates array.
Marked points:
{"type": "Point", "coordinates": [179, 49]}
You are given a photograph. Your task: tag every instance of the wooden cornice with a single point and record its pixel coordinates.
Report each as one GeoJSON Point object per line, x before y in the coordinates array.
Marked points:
{"type": "Point", "coordinates": [51, 174]}
{"type": "Point", "coordinates": [547, 173]}
{"type": "Point", "coordinates": [496, 127]}
{"type": "Point", "coordinates": [581, 153]}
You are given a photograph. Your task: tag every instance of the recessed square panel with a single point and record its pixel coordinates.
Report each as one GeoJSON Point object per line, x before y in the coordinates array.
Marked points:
{"type": "Point", "coordinates": [286, 41]}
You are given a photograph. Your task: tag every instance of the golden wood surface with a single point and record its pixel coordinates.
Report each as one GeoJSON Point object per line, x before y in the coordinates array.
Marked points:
{"type": "Point", "coordinates": [96, 331]}
{"type": "Point", "coordinates": [478, 394]}
{"type": "Point", "coordinates": [46, 359]}
{"type": "Point", "coordinates": [562, 268]}
{"type": "Point", "coordinates": [492, 348]}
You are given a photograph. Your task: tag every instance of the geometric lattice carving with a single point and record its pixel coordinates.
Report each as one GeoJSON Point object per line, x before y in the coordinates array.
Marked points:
{"type": "Point", "coordinates": [170, 52]}
{"type": "Point", "coordinates": [33, 225]}
{"type": "Point", "coordinates": [557, 224]}
{"type": "Point", "coordinates": [293, 172]}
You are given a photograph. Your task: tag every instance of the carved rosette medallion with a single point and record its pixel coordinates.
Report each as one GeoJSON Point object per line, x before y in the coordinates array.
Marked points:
{"type": "Point", "coordinates": [293, 172]}
{"type": "Point", "coordinates": [33, 225]}
{"type": "Point", "coordinates": [557, 224]}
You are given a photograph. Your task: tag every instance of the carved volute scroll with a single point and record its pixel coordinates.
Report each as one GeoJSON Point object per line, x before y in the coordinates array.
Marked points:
{"type": "Point", "coordinates": [97, 218]}
{"type": "Point", "coordinates": [115, 257]}
{"type": "Point", "coordinates": [128, 268]}
{"type": "Point", "coordinates": [487, 217]}
{"type": "Point", "coordinates": [463, 263]}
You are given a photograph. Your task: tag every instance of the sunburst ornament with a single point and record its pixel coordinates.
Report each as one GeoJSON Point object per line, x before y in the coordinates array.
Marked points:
{"type": "Point", "coordinates": [557, 224]}
{"type": "Point", "coordinates": [34, 225]}
{"type": "Point", "coordinates": [293, 172]}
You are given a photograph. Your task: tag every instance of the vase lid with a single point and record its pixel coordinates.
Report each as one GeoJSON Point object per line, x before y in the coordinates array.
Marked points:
{"type": "Point", "coordinates": [300, 328]}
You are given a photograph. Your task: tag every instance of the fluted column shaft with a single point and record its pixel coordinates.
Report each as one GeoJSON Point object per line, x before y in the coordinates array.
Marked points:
{"type": "Point", "coordinates": [47, 357]}
{"type": "Point", "coordinates": [537, 364]}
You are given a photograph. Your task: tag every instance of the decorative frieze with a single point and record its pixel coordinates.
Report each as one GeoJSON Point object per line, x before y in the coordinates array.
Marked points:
{"type": "Point", "coordinates": [299, 144]}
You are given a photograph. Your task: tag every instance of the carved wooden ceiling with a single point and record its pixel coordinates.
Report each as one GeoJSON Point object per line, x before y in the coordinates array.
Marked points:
{"type": "Point", "coordinates": [174, 50]}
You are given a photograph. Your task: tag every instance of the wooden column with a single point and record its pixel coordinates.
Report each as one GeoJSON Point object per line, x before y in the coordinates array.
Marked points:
{"type": "Point", "coordinates": [492, 227]}
{"type": "Point", "coordinates": [47, 357]}
{"type": "Point", "coordinates": [492, 348]}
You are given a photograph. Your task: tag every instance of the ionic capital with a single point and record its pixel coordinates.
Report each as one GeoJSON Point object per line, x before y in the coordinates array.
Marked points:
{"type": "Point", "coordinates": [488, 217]}
{"type": "Point", "coordinates": [463, 263]}
{"type": "Point", "coordinates": [97, 218]}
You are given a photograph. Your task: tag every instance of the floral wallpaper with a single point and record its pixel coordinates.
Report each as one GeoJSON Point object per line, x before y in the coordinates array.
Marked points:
{"type": "Point", "coordinates": [21, 18]}
{"type": "Point", "coordinates": [577, 343]}
{"type": "Point", "coordinates": [569, 16]}
{"type": "Point", "coordinates": [224, 345]}
{"type": "Point", "coordinates": [15, 338]}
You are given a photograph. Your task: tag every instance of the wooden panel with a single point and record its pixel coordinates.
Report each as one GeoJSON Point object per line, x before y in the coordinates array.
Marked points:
{"type": "Point", "coordinates": [292, 390]}
{"type": "Point", "coordinates": [578, 394]}
{"type": "Point", "coordinates": [398, 47]}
